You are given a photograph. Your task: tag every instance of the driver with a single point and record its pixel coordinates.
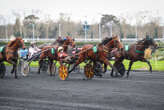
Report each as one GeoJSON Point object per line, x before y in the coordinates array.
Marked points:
{"type": "Point", "coordinates": [33, 49]}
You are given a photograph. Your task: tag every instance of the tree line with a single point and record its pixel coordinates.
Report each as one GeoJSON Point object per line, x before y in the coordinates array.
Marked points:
{"type": "Point", "coordinates": [31, 26]}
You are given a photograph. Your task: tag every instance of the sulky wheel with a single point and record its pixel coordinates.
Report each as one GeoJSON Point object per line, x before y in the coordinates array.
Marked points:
{"type": "Point", "coordinates": [88, 71]}
{"type": "Point", "coordinates": [25, 69]}
{"type": "Point", "coordinates": [63, 72]}
{"type": "Point", "coordinates": [2, 70]}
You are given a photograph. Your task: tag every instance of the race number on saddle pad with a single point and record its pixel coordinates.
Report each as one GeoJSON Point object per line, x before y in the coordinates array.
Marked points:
{"type": "Point", "coordinates": [1, 49]}
{"type": "Point", "coordinates": [52, 50]}
{"type": "Point", "coordinates": [94, 49]}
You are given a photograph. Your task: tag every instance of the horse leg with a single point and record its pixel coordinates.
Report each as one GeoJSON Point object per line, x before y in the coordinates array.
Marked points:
{"type": "Point", "coordinates": [144, 60]}
{"type": "Point", "coordinates": [40, 61]}
{"type": "Point", "coordinates": [76, 64]}
{"type": "Point", "coordinates": [12, 71]}
{"type": "Point", "coordinates": [105, 60]}
{"type": "Point", "coordinates": [130, 65]}
{"type": "Point", "coordinates": [69, 66]}
{"type": "Point", "coordinates": [111, 73]}
{"type": "Point", "coordinates": [50, 69]}
{"type": "Point", "coordinates": [15, 66]}
{"type": "Point", "coordinates": [105, 68]}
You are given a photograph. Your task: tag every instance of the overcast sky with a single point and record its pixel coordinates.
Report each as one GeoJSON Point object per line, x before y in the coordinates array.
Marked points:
{"type": "Point", "coordinates": [80, 10]}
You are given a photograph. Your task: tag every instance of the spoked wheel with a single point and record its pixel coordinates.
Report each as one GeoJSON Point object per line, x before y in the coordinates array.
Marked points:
{"type": "Point", "coordinates": [2, 70]}
{"type": "Point", "coordinates": [25, 69]}
{"type": "Point", "coordinates": [63, 72]}
{"type": "Point", "coordinates": [88, 71]}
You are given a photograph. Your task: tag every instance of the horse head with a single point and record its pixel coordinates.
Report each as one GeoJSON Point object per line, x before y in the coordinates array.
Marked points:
{"type": "Point", "coordinates": [16, 43]}
{"type": "Point", "coordinates": [148, 43]}
{"type": "Point", "coordinates": [117, 43]}
{"type": "Point", "coordinates": [69, 41]}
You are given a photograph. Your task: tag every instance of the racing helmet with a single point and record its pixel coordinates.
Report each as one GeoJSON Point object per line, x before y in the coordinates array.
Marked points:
{"type": "Point", "coordinates": [60, 49]}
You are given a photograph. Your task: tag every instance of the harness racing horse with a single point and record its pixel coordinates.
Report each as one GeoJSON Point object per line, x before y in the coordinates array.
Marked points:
{"type": "Point", "coordinates": [101, 54]}
{"type": "Point", "coordinates": [10, 53]}
{"type": "Point", "coordinates": [136, 53]}
{"type": "Point", "coordinates": [51, 52]}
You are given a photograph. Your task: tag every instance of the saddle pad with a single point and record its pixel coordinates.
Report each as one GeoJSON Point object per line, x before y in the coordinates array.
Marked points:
{"type": "Point", "coordinates": [126, 47]}
{"type": "Point", "coordinates": [1, 49]}
{"type": "Point", "coordinates": [94, 49]}
{"type": "Point", "coordinates": [52, 50]}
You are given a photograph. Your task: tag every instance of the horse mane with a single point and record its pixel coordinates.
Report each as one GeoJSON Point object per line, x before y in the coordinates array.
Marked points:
{"type": "Point", "coordinates": [106, 40]}
{"type": "Point", "coordinates": [12, 42]}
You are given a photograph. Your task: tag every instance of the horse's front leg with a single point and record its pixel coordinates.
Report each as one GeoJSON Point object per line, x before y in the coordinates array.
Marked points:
{"type": "Point", "coordinates": [105, 68]}
{"type": "Point", "coordinates": [130, 65]}
{"type": "Point", "coordinates": [50, 69]}
{"type": "Point", "coordinates": [14, 69]}
{"type": "Point", "coordinates": [15, 66]}
{"type": "Point", "coordinates": [105, 60]}
{"type": "Point", "coordinates": [81, 59]}
{"type": "Point", "coordinates": [148, 62]}
{"type": "Point", "coordinates": [111, 73]}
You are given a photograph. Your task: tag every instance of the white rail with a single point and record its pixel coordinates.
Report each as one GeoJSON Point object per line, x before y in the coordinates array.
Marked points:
{"type": "Point", "coordinates": [79, 40]}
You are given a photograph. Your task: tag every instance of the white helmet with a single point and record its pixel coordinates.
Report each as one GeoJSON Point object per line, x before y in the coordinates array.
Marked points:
{"type": "Point", "coordinates": [60, 48]}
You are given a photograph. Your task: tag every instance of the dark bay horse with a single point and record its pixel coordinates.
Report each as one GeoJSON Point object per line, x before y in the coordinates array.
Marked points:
{"type": "Point", "coordinates": [136, 53]}
{"type": "Point", "coordinates": [10, 53]}
{"type": "Point", "coordinates": [102, 53]}
{"type": "Point", "coordinates": [51, 52]}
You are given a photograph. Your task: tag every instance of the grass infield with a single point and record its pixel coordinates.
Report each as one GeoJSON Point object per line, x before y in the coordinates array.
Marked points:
{"type": "Point", "coordinates": [156, 65]}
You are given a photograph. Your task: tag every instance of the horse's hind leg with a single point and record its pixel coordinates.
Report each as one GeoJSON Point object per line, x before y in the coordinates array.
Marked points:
{"type": "Point", "coordinates": [130, 65]}
{"type": "Point", "coordinates": [144, 60]}
{"type": "Point", "coordinates": [50, 69]}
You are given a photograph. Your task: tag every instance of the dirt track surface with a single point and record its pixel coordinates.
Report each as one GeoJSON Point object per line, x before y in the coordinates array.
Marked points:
{"type": "Point", "coordinates": [142, 91]}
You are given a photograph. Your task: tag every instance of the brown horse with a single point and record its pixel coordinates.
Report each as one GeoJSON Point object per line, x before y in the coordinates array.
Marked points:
{"type": "Point", "coordinates": [10, 53]}
{"type": "Point", "coordinates": [102, 53]}
{"type": "Point", "coordinates": [51, 52]}
{"type": "Point", "coordinates": [136, 53]}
